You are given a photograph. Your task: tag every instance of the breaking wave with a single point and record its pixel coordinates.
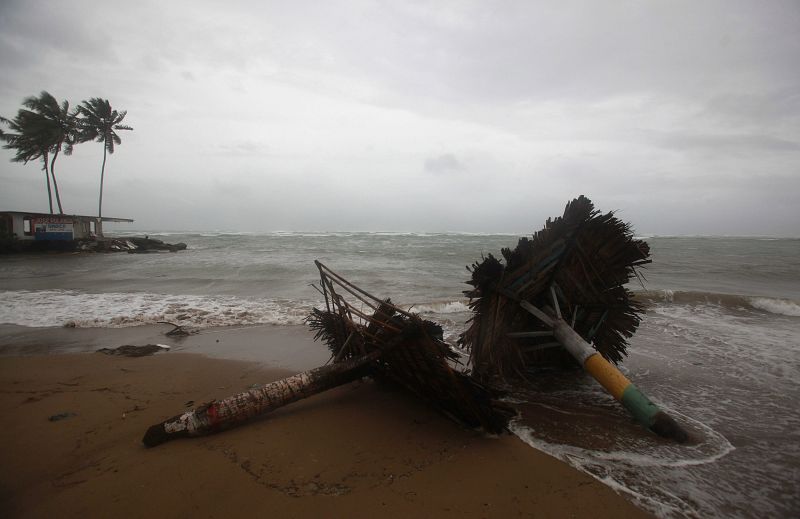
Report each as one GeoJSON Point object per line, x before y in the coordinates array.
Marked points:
{"type": "Point", "coordinates": [776, 306]}
{"type": "Point", "coordinates": [54, 308]}
{"type": "Point", "coordinates": [772, 305]}
{"type": "Point", "coordinates": [49, 308]}
{"type": "Point", "coordinates": [441, 307]}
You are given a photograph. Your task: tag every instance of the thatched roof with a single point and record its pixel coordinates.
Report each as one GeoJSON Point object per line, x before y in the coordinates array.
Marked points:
{"type": "Point", "coordinates": [414, 355]}
{"type": "Point", "coordinates": [586, 257]}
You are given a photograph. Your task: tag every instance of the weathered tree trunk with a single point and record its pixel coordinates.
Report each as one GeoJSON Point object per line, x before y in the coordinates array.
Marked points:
{"type": "Point", "coordinates": [102, 177]}
{"type": "Point", "coordinates": [47, 176]}
{"type": "Point", "coordinates": [55, 182]}
{"type": "Point", "coordinates": [230, 412]}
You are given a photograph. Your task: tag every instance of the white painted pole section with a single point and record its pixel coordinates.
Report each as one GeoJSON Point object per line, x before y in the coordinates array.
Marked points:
{"type": "Point", "coordinates": [563, 332]}
{"type": "Point", "coordinates": [546, 319]}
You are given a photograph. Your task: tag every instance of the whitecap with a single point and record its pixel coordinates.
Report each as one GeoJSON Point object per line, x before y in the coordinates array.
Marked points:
{"type": "Point", "coordinates": [776, 306]}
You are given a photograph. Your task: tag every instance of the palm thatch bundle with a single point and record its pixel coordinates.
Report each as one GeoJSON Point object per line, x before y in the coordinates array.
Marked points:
{"type": "Point", "coordinates": [412, 352]}
{"type": "Point", "coordinates": [576, 267]}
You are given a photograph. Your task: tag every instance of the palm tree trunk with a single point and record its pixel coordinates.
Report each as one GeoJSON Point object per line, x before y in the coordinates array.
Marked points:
{"type": "Point", "coordinates": [229, 412]}
{"type": "Point", "coordinates": [102, 176]}
{"type": "Point", "coordinates": [47, 176]}
{"type": "Point", "coordinates": [55, 183]}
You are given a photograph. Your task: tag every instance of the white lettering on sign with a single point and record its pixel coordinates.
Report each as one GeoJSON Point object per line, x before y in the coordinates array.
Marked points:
{"type": "Point", "coordinates": [52, 220]}
{"type": "Point", "coordinates": [58, 227]}
{"type": "Point", "coordinates": [53, 228]}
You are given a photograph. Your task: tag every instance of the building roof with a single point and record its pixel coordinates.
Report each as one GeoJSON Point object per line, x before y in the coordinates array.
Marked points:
{"type": "Point", "coordinates": [76, 216]}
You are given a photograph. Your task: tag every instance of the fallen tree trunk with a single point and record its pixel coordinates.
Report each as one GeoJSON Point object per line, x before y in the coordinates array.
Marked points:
{"type": "Point", "coordinates": [232, 411]}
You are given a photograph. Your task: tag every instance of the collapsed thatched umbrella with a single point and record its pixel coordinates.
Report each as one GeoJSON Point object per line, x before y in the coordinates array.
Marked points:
{"type": "Point", "coordinates": [422, 364]}
{"type": "Point", "coordinates": [386, 343]}
{"type": "Point", "coordinates": [575, 267]}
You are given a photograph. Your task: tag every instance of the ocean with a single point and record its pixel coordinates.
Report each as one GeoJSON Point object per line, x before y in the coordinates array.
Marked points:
{"type": "Point", "coordinates": [718, 349]}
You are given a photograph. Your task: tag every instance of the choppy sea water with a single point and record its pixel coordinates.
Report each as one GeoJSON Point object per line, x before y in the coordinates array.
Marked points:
{"type": "Point", "coordinates": [719, 347]}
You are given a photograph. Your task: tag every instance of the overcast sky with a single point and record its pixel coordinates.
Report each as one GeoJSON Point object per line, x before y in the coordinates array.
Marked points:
{"type": "Point", "coordinates": [482, 116]}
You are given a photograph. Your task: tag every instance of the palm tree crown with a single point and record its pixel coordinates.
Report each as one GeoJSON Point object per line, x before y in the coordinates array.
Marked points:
{"type": "Point", "coordinates": [99, 123]}
{"type": "Point", "coordinates": [41, 130]}
{"type": "Point", "coordinates": [59, 129]}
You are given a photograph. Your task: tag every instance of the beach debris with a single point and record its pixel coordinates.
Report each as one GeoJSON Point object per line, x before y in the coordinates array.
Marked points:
{"type": "Point", "coordinates": [178, 330]}
{"type": "Point", "coordinates": [135, 351]}
{"type": "Point", "coordinates": [560, 300]}
{"type": "Point", "coordinates": [61, 416]}
{"type": "Point", "coordinates": [219, 415]}
{"type": "Point", "coordinates": [375, 339]}
{"type": "Point", "coordinates": [422, 362]}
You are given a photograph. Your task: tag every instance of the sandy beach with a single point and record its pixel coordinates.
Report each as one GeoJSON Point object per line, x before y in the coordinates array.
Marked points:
{"type": "Point", "coordinates": [355, 451]}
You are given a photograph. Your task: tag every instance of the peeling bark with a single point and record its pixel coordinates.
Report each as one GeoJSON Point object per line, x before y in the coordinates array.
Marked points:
{"type": "Point", "coordinates": [232, 411]}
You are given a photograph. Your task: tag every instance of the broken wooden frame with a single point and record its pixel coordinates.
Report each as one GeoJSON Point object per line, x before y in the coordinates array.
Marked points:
{"type": "Point", "coordinates": [422, 362]}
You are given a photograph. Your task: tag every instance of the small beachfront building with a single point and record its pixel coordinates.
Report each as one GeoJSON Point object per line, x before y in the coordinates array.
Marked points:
{"type": "Point", "coordinates": [26, 226]}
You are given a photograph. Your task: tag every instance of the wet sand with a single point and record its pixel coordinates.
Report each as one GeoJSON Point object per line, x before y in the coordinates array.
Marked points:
{"type": "Point", "coordinates": [356, 451]}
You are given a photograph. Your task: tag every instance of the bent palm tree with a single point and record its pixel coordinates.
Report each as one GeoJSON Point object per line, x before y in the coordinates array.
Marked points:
{"type": "Point", "coordinates": [56, 127]}
{"type": "Point", "coordinates": [30, 142]}
{"type": "Point", "coordinates": [99, 122]}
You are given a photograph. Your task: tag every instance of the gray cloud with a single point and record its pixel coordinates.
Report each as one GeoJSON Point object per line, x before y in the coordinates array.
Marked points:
{"type": "Point", "coordinates": [413, 111]}
{"type": "Point", "coordinates": [444, 164]}
{"type": "Point", "coordinates": [726, 143]}
{"type": "Point", "coordinates": [759, 108]}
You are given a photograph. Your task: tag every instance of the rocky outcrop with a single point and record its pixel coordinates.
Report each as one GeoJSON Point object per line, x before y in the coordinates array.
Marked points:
{"type": "Point", "coordinates": [129, 245]}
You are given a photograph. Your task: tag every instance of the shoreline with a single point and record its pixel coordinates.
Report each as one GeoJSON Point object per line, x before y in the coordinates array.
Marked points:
{"type": "Point", "coordinates": [284, 346]}
{"type": "Point", "coordinates": [353, 451]}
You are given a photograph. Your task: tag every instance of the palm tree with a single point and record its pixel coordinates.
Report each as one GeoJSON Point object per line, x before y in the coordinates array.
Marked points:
{"type": "Point", "coordinates": [58, 129]}
{"type": "Point", "coordinates": [99, 123]}
{"type": "Point", "coordinates": [42, 129]}
{"type": "Point", "coordinates": [29, 143]}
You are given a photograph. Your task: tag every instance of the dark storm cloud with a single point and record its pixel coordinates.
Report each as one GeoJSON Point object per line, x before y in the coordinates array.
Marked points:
{"type": "Point", "coordinates": [32, 33]}
{"type": "Point", "coordinates": [640, 105]}
{"type": "Point", "coordinates": [541, 50]}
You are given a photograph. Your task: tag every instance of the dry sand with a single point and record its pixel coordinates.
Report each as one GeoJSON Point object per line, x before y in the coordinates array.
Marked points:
{"type": "Point", "coordinates": [360, 450]}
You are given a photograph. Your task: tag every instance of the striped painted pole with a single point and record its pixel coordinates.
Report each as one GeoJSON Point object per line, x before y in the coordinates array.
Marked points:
{"type": "Point", "coordinates": [219, 415]}
{"type": "Point", "coordinates": [644, 411]}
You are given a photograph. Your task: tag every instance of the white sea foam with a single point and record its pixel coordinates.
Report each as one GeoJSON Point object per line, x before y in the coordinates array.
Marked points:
{"type": "Point", "coordinates": [48, 308]}
{"type": "Point", "coordinates": [639, 469]}
{"type": "Point", "coordinates": [776, 306]}
{"type": "Point", "coordinates": [442, 307]}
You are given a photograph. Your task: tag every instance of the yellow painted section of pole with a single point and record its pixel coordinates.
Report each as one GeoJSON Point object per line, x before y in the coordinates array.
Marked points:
{"type": "Point", "coordinates": [607, 374]}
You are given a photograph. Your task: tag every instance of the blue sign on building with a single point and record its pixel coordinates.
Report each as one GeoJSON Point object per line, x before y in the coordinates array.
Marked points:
{"type": "Point", "coordinates": [53, 229]}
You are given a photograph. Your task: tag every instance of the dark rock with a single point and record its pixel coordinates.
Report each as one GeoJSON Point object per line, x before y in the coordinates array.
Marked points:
{"type": "Point", "coordinates": [61, 416]}
{"type": "Point", "coordinates": [134, 351]}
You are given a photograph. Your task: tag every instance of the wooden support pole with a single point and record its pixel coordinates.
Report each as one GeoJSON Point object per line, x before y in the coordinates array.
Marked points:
{"type": "Point", "coordinates": [229, 412]}
{"type": "Point", "coordinates": [643, 410]}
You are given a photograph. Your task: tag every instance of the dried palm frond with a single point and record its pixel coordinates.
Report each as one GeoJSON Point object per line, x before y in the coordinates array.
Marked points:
{"type": "Point", "coordinates": [586, 258]}
{"type": "Point", "coordinates": [413, 354]}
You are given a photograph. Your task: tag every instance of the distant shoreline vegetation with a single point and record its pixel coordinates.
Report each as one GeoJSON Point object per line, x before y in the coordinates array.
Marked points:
{"type": "Point", "coordinates": [43, 128]}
